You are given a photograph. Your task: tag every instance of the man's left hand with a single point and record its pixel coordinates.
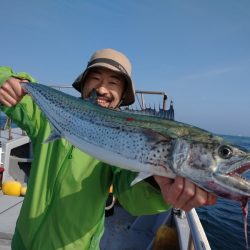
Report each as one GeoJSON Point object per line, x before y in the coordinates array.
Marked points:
{"type": "Point", "coordinates": [182, 193]}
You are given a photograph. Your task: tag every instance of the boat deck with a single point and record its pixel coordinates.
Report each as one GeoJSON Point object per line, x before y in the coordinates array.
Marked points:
{"type": "Point", "coordinates": [9, 210]}
{"type": "Point", "coordinates": [122, 231]}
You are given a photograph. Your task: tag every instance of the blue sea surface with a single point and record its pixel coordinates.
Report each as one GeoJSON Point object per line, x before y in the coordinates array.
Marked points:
{"type": "Point", "coordinates": [223, 222]}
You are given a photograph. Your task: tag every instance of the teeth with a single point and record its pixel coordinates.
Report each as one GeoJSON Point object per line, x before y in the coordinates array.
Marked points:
{"type": "Point", "coordinates": [100, 101]}
{"type": "Point", "coordinates": [240, 169]}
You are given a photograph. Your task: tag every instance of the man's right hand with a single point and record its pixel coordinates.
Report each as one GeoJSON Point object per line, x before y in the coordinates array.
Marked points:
{"type": "Point", "coordinates": [11, 92]}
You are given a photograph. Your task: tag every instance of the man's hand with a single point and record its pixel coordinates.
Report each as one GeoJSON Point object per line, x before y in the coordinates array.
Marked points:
{"type": "Point", "coordinates": [182, 193]}
{"type": "Point", "coordinates": [11, 92]}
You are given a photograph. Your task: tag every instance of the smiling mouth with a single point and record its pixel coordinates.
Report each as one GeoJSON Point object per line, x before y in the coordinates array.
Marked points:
{"type": "Point", "coordinates": [102, 101]}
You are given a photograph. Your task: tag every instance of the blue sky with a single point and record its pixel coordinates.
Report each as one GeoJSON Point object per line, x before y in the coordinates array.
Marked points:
{"type": "Point", "coordinates": [196, 51]}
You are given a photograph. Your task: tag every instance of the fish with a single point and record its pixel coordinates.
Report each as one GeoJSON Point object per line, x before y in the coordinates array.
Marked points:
{"type": "Point", "coordinates": [146, 144]}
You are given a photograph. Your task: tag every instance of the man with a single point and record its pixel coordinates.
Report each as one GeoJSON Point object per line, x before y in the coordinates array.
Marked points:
{"type": "Point", "coordinates": [67, 190]}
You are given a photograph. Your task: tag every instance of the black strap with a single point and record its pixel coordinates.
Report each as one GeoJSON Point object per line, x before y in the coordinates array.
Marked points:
{"type": "Point", "coordinates": [110, 62]}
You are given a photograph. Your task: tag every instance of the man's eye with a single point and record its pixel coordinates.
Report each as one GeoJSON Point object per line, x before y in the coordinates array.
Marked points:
{"type": "Point", "coordinates": [95, 78]}
{"type": "Point", "coordinates": [115, 83]}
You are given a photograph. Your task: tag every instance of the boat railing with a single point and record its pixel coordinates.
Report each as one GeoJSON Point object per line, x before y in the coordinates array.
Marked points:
{"type": "Point", "coordinates": [7, 126]}
{"type": "Point", "coordinates": [197, 239]}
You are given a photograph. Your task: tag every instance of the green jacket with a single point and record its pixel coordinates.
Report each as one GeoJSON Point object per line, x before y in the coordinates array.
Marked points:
{"type": "Point", "coordinates": [67, 189]}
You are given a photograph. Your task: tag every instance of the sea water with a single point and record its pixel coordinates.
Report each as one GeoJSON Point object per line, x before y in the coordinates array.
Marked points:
{"type": "Point", "coordinates": [223, 222]}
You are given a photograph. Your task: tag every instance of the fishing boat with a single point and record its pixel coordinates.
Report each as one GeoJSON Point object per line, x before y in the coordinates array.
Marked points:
{"type": "Point", "coordinates": [173, 229]}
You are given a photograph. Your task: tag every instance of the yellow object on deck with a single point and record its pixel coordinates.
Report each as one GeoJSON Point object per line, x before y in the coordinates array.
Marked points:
{"type": "Point", "coordinates": [12, 188]}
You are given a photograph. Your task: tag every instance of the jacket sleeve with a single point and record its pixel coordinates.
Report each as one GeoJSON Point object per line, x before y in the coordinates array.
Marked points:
{"type": "Point", "coordinates": [7, 72]}
{"type": "Point", "coordinates": [25, 114]}
{"type": "Point", "coordinates": [140, 199]}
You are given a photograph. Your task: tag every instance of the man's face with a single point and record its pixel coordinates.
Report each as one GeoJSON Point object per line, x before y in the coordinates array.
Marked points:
{"type": "Point", "coordinates": [108, 84]}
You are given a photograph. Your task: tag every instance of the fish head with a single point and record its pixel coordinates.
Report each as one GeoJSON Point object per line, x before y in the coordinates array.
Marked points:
{"type": "Point", "coordinates": [232, 163]}
{"type": "Point", "coordinates": [216, 166]}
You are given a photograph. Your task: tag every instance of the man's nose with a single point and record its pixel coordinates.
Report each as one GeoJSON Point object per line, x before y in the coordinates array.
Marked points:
{"type": "Point", "coordinates": [102, 88]}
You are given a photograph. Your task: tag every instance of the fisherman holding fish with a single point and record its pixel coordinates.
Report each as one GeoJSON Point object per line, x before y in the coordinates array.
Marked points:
{"type": "Point", "coordinates": [68, 189]}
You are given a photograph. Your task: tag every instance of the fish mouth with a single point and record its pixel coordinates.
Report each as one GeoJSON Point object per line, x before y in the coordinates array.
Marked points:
{"type": "Point", "coordinates": [232, 184]}
{"type": "Point", "coordinates": [240, 170]}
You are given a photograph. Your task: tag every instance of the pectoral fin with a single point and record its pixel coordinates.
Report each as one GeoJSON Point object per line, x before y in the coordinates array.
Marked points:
{"type": "Point", "coordinates": [140, 177]}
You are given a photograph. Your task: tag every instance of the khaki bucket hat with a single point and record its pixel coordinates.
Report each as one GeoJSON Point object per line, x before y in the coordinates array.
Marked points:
{"type": "Point", "coordinates": [116, 61]}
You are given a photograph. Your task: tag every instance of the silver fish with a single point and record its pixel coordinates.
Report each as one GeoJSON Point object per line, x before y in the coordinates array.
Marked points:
{"type": "Point", "coordinates": [145, 144]}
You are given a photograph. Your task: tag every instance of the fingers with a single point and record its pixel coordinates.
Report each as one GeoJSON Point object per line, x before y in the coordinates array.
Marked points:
{"type": "Point", "coordinates": [175, 191]}
{"type": "Point", "coordinates": [182, 193]}
{"type": "Point", "coordinates": [199, 198]}
{"type": "Point", "coordinates": [11, 92]}
{"type": "Point", "coordinates": [170, 189]}
{"type": "Point", "coordinates": [187, 194]}
{"type": "Point", "coordinates": [211, 199]}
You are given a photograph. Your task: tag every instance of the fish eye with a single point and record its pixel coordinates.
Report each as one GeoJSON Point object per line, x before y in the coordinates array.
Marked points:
{"type": "Point", "coordinates": [225, 152]}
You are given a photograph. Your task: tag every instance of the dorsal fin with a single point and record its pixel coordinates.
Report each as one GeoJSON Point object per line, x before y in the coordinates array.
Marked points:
{"type": "Point", "coordinates": [161, 113]}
